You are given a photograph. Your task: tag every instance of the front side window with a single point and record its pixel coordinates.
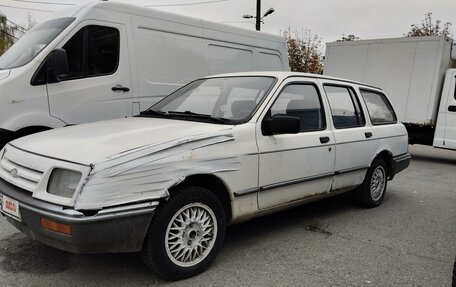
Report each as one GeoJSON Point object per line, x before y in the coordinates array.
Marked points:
{"type": "Point", "coordinates": [33, 42]}
{"type": "Point", "coordinates": [228, 99]}
{"type": "Point", "coordinates": [345, 107]}
{"type": "Point", "coordinates": [92, 51]}
{"type": "Point", "coordinates": [379, 108]}
{"type": "Point", "coordinates": [301, 101]}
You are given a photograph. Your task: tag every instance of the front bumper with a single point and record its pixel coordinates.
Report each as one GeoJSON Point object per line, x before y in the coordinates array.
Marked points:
{"type": "Point", "coordinates": [120, 229]}
{"type": "Point", "coordinates": [400, 163]}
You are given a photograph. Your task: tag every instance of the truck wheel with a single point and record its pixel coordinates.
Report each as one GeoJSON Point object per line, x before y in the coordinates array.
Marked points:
{"type": "Point", "coordinates": [185, 234]}
{"type": "Point", "coordinates": [372, 190]}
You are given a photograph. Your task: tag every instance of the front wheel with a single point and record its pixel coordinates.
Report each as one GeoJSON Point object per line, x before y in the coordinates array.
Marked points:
{"type": "Point", "coordinates": [373, 188]}
{"type": "Point", "coordinates": [185, 233]}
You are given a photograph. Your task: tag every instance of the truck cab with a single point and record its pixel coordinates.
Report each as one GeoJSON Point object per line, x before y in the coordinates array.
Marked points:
{"type": "Point", "coordinates": [445, 132]}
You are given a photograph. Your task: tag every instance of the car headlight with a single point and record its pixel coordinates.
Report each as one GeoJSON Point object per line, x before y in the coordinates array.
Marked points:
{"type": "Point", "coordinates": [63, 182]}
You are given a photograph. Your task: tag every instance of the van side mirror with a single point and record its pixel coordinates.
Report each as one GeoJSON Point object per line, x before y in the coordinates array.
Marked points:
{"type": "Point", "coordinates": [277, 125]}
{"type": "Point", "coordinates": [57, 64]}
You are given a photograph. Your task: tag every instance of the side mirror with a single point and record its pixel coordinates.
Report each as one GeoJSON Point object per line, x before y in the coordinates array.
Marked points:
{"type": "Point", "coordinates": [57, 64]}
{"type": "Point", "coordinates": [280, 125]}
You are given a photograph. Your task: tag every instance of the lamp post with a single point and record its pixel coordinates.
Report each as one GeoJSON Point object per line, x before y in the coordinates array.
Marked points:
{"type": "Point", "coordinates": [258, 18]}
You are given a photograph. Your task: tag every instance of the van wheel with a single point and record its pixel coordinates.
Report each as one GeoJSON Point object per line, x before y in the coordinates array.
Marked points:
{"type": "Point", "coordinates": [372, 190]}
{"type": "Point", "coordinates": [185, 233]}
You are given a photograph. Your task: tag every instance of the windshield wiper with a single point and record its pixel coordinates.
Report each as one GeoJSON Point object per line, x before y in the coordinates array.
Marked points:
{"type": "Point", "coordinates": [191, 114]}
{"type": "Point", "coordinates": [153, 113]}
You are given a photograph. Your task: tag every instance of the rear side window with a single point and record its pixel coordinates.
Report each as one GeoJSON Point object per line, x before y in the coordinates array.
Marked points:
{"type": "Point", "coordinates": [92, 51]}
{"type": "Point", "coordinates": [379, 108]}
{"type": "Point", "coordinates": [301, 101]}
{"type": "Point", "coordinates": [345, 107]}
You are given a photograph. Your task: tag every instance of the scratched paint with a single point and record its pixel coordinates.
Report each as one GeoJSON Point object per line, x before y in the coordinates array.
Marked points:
{"type": "Point", "coordinates": [147, 172]}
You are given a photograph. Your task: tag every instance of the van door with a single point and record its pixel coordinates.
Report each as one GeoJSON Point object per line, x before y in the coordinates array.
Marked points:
{"type": "Point", "coordinates": [450, 114]}
{"type": "Point", "coordinates": [295, 166]}
{"type": "Point", "coordinates": [98, 84]}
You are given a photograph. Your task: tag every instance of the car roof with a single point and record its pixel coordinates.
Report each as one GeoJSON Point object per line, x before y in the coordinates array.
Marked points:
{"type": "Point", "coordinates": [285, 75]}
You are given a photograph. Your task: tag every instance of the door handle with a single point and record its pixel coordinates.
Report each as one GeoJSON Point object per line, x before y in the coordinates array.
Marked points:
{"type": "Point", "coordinates": [324, 139]}
{"type": "Point", "coordinates": [452, 108]}
{"type": "Point", "coordinates": [120, 88]}
{"type": "Point", "coordinates": [368, 134]}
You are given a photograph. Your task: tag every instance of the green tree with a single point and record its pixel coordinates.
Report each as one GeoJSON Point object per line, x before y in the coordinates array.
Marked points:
{"type": "Point", "coordinates": [7, 34]}
{"type": "Point", "coordinates": [304, 51]}
{"type": "Point", "coordinates": [348, 38]}
{"type": "Point", "coordinates": [428, 27]}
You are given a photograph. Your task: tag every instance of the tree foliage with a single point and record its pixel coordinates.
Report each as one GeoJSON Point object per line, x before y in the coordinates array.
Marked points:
{"type": "Point", "coordinates": [429, 28]}
{"type": "Point", "coordinates": [7, 34]}
{"type": "Point", "coordinates": [304, 51]}
{"type": "Point", "coordinates": [348, 38]}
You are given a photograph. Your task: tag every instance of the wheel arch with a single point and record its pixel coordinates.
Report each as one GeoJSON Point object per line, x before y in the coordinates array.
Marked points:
{"type": "Point", "coordinates": [30, 130]}
{"type": "Point", "coordinates": [215, 185]}
{"type": "Point", "coordinates": [7, 135]}
{"type": "Point", "coordinates": [387, 156]}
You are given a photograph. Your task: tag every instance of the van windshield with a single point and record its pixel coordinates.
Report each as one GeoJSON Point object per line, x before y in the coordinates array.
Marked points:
{"type": "Point", "coordinates": [33, 42]}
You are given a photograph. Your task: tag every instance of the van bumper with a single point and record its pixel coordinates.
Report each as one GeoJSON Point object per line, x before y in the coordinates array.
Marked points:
{"type": "Point", "coordinates": [400, 163]}
{"type": "Point", "coordinates": [110, 230]}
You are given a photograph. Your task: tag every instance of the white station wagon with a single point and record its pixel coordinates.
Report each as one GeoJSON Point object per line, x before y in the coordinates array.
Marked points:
{"type": "Point", "coordinates": [220, 150]}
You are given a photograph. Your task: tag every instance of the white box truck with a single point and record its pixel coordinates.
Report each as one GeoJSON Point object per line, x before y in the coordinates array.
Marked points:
{"type": "Point", "coordinates": [417, 74]}
{"type": "Point", "coordinates": [106, 60]}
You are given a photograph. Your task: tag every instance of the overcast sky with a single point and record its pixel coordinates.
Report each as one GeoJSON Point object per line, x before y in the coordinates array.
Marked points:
{"type": "Point", "coordinates": [329, 19]}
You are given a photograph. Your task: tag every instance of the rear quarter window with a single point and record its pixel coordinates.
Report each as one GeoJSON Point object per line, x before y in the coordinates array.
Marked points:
{"type": "Point", "coordinates": [380, 110]}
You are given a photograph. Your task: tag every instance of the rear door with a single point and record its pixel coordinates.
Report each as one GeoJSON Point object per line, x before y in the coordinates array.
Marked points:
{"type": "Point", "coordinates": [99, 82]}
{"type": "Point", "coordinates": [356, 142]}
{"type": "Point", "coordinates": [295, 166]}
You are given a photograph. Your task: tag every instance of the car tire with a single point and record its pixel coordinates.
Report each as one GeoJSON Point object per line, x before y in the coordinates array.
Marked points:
{"type": "Point", "coordinates": [372, 190]}
{"type": "Point", "coordinates": [185, 234]}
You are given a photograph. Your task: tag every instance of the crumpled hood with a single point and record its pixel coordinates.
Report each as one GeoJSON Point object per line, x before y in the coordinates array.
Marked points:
{"type": "Point", "coordinates": [4, 74]}
{"type": "Point", "coordinates": [94, 142]}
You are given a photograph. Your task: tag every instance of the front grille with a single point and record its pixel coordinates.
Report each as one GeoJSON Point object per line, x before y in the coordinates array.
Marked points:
{"type": "Point", "coordinates": [19, 175]}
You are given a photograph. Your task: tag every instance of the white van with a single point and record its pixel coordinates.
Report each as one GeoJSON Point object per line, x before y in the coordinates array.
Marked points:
{"type": "Point", "coordinates": [107, 60]}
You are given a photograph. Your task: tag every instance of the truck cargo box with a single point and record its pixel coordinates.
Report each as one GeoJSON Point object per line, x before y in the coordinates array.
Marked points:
{"type": "Point", "coordinates": [410, 70]}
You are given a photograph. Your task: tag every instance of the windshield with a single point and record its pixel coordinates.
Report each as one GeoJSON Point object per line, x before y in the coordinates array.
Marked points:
{"type": "Point", "coordinates": [32, 43]}
{"type": "Point", "coordinates": [232, 99]}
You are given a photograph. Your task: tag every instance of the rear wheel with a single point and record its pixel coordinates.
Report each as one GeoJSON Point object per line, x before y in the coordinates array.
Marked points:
{"type": "Point", "coordinates": [373, 188]}
{"type": "Point", "coordinates": [185, 234]}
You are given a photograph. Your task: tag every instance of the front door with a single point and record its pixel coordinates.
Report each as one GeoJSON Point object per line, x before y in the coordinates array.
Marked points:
{"type": "Point", "coordinates": [98, 84]}
{"type": "Point", "coordinates": [295, 166]}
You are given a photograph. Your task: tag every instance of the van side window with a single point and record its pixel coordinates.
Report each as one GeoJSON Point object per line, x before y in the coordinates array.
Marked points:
{"type": "Point", "coordinates": [345, 107]}
{"type": "Point", "coordinates": [92, 51]}
{"type": "Point", "coordinates": [379, 108]}
{"type": "Point", "coordinates": [302, 101]}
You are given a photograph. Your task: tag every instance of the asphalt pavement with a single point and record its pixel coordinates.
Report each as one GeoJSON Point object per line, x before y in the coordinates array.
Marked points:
{"type": "Point", "coordinates": [410, 240]}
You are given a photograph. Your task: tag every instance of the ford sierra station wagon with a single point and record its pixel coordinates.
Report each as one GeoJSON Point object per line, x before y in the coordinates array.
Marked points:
{"type": "Point", "coordinates": [221, 150]}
